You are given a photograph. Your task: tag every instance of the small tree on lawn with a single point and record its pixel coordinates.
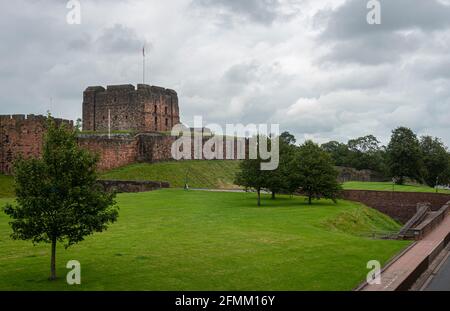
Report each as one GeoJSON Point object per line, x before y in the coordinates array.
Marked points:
{"type": "Point", "coordinates": [436, 161]}
{"type": "Point", "coordinates": [315, 173]}
{"type": "Point", "coordinates": [280, 180]}
{"type": "Point", "coordinates": [58, 199]}
{"type": "Point", "coordinates": [404, 155]}
{"type": "Point", "coordinates": [250, 174]}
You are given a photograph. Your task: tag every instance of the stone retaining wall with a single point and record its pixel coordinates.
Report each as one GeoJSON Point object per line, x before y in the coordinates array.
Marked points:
{"type": "Point", "coordinates": [123, 186]}
{"type": "Point", "coordinates": [399, 205]}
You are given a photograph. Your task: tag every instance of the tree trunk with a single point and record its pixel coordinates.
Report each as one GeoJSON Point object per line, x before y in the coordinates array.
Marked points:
{"type": "Point", "coordinates": [273, 195]}
{"type": "Point", "coordinates": [259, 197]}
{"type": "Point", "coordinates": [309, 199]}
{"type": "Point", "coordinates": [53, 261]}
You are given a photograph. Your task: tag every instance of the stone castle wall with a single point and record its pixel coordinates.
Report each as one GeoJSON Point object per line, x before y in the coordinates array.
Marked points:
{"type": "Point", "coordinates": [113, 152]}
{"type": "Point", "coordinates": [124, 107]}
{"type": "Point", "coordinates": [21, 135]}
{"type": "Point", "coordinates": [121, 150]}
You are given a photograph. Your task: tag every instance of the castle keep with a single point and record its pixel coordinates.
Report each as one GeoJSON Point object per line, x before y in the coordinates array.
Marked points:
{"type": "Point", "coordinates": [123, 107]}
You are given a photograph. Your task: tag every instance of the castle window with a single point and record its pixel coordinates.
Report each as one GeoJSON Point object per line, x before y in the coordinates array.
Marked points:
{"type": "Point", "coordinates": [167, 122]}
{"type": "Point", "coordinates": [165, 110]}
{"type": "Point", "coordinates": [156, 109]}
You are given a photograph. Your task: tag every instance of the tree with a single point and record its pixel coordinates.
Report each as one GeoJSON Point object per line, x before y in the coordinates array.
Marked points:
{"type": "Point", "coordinates": [339, 152]}
{"type": "Point", "coordinates": [404, 155]}
{"type": "Point", "coordinates": [58, 199]}
{"type": "Point", "coordinates": [435, 160]}
{"type": "Point", "coordinates": [280, 180]}
{"type": "Point", "coordinates": [251, 175]}
{"type": "Point", "coordinates": [288, 138]}
{"type": "Point", "coordinates": [316, 175]}
{"type": "Point", "coordinates": [366, 153]}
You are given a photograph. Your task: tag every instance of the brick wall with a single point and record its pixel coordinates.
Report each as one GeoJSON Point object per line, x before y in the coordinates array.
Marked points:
{"type": "Point", "coordinates": [114, 152]}
{"type": "Point", "coordinates": [398, 205]}
{"type": "Point", "coordinates": [21, 135]}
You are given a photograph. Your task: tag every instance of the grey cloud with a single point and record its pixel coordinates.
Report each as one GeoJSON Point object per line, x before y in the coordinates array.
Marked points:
{"type": "Point", "coordinates": [406, 26]}
{"type": "Point", "coordinates": [349, 20]}
{"type": "Point", "coordinates": [261, 11]}
{"type": "Point", "coordinates": [120, 39]}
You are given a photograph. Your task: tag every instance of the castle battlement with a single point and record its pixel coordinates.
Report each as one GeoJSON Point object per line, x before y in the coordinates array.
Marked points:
{"type": "Point", "coordinates": [14, 119]}
{"type": "Point", "coordinates": [144, 108]}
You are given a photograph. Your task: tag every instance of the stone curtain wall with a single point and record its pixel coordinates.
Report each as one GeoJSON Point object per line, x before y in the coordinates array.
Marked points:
{"type": "Point", "coordinates": [398, 205]}
{"type": "Point", "coordinates": [21, 135]}
{"type": "Point", "coordinates": [113, 152]}
{"type": "Point", "coordinates": [145, 109]}
{"type": "Point", "coordinates": [121, 150]}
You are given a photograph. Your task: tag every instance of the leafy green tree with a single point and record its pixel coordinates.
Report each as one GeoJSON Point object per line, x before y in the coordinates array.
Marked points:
{"type": "Point", "coordinates": [58, 199]}
{"type": "Point", "coordinates": [250, 174]}
{"type": "Point", "coordinates": [404, 155]}
{"type": "Point", "coordinates": [288, 138]}
{"type": "Point", "coordinates": [280, 180]}
{"type": "Point", "coordinates": [339, 152]}
{"type": "Point", "coordinates": [435, 159]}
{"type": "Point", "coordinates": [366, 153]}
{"type": "Point", "coordinates": [315, 173]}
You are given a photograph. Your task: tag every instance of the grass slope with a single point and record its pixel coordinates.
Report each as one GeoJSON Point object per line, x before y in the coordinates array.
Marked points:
{"type": "Point", "coordinates": [387, 186]}
{"type": "Point", "coordinates": [201, 174]}
{"type": "Point", "coordinates": [6, 186]}
{"type": "Point", "coordinates": [194, 240]}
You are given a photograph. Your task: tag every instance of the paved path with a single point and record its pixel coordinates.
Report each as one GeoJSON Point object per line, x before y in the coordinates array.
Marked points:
{"type": "Point", "coordinates": [441, 281]}
{"type": "Point", "coordinates": [397, 272]}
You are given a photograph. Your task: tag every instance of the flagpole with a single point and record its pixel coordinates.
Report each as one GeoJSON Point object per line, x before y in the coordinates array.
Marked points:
{"type": "Point", "coordinates": [143, 65]}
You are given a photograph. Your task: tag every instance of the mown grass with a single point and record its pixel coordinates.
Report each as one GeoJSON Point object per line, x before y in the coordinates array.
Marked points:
{"type": "Point", "coordinates": [387, 186]}
{"type": "Point", "coordinates": [197, 240]}
{"type": "Point", "coordinates": [200, 174]}
{"type": "Point", "coordinates": [6, 186]}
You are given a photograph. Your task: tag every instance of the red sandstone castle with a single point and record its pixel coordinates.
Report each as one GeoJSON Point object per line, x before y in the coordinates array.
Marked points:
{"type": "Point", "coordinates": [145, 113]}
{"type": "Point", "coordinates": [147, 110]}
{"type": "Point", "coordinates": [123, 107]}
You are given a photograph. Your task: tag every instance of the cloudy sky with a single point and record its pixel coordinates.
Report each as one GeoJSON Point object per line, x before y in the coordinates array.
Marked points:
{"type": "Point", "coordinates": [313, 66]}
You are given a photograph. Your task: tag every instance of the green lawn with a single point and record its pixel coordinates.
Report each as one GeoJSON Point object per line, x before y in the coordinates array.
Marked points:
{"type": "Point", "coordinates": [6, 186]}
{"type": "Point", "coordinates": [201, 174]}
{"type": "Point", "coordinates": [387, 186]}
{"type": "Point", "coordinates": [193, 240]}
